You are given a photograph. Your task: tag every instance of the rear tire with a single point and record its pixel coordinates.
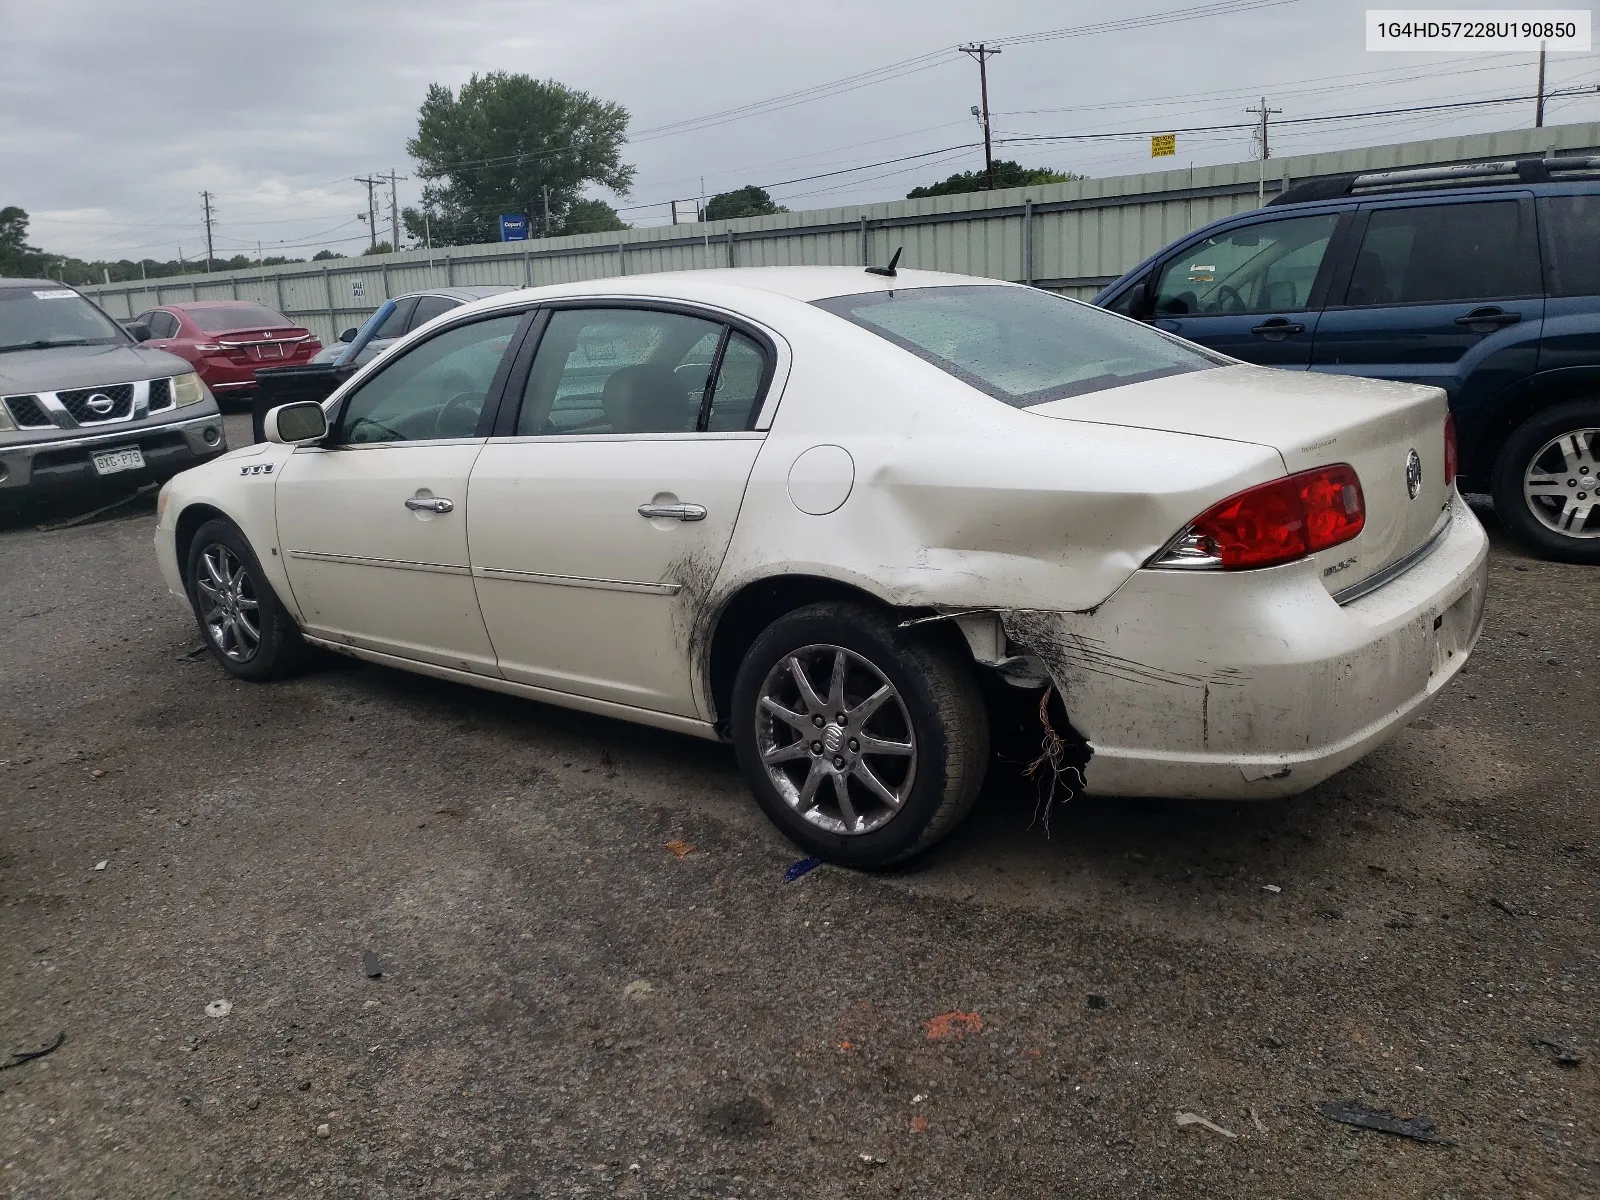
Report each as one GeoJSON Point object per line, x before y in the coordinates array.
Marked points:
{"type": "Point", "coordinates": [244, 624]}
{"type": "Point", "coordinates": [1538, 483]}
{"type": "Point", "coordinates": [901, 725]}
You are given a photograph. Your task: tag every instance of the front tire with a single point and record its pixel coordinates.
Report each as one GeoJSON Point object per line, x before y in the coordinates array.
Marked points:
{"type": "Point", "coordinates": [244, 624]}
{"type": "Point", "coordinates": [863, 742]}
{"type": "Point", "coordinates": [1546, 479]}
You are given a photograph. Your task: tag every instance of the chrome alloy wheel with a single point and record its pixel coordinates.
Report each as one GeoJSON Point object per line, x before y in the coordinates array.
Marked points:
{"type": "Point", "coordinates": [841, 752]}
{"type": "Point", "coordinates": [228, 607]}
{"type": "Point", "coordinates": [1562, 484]}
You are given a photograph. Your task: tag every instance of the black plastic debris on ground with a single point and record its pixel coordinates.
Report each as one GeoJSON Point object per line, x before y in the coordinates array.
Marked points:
{"type": "Point", "coordinates": [371, 965]}
{"type": "Point", "coordinates": [27, 1056]}
{"type": "Point", "coordinates": [1096, 1001]}
{"type": "Point", "coordinates": [1564, 1055]}
{"type": "Point", "coordinates": [1353, 1112]}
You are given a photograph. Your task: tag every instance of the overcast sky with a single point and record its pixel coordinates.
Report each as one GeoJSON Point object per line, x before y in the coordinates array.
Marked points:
{"type": "Point", "coordinates": [115, 115]}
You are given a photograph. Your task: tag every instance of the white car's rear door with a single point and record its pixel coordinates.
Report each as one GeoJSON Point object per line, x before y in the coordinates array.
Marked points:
{"type": "Point", "coordinates": [599, 521]}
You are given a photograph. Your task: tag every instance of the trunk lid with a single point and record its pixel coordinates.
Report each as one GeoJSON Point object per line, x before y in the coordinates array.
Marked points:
{"type": "Point", "coordinates": [263, 345]}
{"type": "Point", "coordinates": [1311, 420]}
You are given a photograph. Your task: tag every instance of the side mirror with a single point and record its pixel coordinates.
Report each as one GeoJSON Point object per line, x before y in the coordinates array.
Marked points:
{"type": "Point", "coordinates": [349, 335]}
{"type": "Point", "coordinates": [137, 330]}
{"type": "Point", "coordinates": [1143, 303]}
{"type": "Point", "coordinates": [297, 424]}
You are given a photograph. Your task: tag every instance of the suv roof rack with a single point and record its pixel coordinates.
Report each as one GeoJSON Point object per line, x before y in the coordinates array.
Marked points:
{"type": "Point", "coordinates": [1480, 174]}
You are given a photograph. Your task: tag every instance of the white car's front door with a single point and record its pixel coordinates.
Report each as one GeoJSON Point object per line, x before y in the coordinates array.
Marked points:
{"type": "Point", "coordinates": [373, 527]}
{"type": "Point", "coordinates": [599, 524]}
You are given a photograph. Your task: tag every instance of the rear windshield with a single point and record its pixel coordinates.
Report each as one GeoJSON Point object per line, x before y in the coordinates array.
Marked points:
{"type": "Point", "coordinates": [1020, 345]}
{"type": "Point", "coordinates": [237, 316]}
{"type": "Point", "coordinates": [43, 316]}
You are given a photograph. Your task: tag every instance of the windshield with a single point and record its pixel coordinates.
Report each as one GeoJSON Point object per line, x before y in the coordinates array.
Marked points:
{"type": "Point", "coordinates": [237, 316]}
{"type": "Point", "coordinates": [39, 317]}
{"type": "Point", "coordinates": [1020, 345]}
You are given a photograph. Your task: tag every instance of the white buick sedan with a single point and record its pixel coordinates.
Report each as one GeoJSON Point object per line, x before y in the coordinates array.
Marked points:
{"type": "Point", "coordinates": [843, 520]}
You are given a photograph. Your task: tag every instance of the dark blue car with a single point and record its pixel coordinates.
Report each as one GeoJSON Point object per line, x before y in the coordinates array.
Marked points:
{"type": "Point", "coordinates": [1483, 280]}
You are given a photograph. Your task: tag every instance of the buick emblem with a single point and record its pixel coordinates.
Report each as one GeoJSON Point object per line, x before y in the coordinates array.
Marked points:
{"type": "Point", "coordinates": [1413, 473]}
{"type": "Point", "coordinates": [101, 403]}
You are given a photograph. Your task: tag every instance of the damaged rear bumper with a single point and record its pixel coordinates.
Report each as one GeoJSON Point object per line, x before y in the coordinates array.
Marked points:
{"type": "Point", "coordinates": [1257, 684]}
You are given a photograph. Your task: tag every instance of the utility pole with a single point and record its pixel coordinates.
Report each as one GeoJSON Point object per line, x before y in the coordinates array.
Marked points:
{"type": "Point", "coordinates": [547, 210]}
{"type": "Point", "coordinates": [982, 53]}
{"type": "Point", "coordinates": [394, 208]}
{"type": "Point", "coordinates": [1261, 144]}
{"type": "Point", "coordinates": [205, 198]}
{"type": "Point", "coordinates": [372, 215]}
{"type": "Point", "coordinates": [1538, 112]}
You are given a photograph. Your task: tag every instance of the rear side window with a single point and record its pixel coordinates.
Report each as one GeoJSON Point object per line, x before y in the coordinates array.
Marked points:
{"type": "Point", "coordinates": [238, 316]}
{"type": "Point", "coordinates": [1430, 253]}
{"type": "Point", "coordinates": [1018, 344]}
{"type": "Point", "coordinates": [395, 323]}
{"type": "Point", "coordinates": [1572, 238]}
{"type": "Point", "coordinates": [163, 325]}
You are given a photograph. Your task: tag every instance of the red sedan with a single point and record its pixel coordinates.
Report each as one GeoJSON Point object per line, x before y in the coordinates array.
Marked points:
{"type": "Point", "coordinates": [227, 340]}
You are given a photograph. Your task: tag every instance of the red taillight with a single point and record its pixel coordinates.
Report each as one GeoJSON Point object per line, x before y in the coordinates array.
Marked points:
{"type": "Point", "coordinates": [1274, 522]}
{"type": "Point", "coordinates": [1452, 454]}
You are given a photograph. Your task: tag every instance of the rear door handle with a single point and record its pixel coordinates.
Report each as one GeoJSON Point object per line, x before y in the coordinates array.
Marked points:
{"type": "Point", "coordinates": [673, 512]}
{"type": "Point", "coordinates": [1488, 318]}
{"type": "Point", "coordinates": [1277, 329]}
{"type": "Point", "coordinates": [436, 504]}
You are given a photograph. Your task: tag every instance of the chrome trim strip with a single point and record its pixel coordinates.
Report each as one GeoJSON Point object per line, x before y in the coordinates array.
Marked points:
{"type": "Point", "coordinates": [398, 564]}
{"type": "Point", "coordinates": [122, 434]}
{"type": "Point", "coordinates": [580, 581]}
{"type": "Point", "coordinates": [1399, 567]}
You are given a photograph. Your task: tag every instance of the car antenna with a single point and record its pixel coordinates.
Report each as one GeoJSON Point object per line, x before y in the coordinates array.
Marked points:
{"type": "Point", "coordinates": [889, 270]}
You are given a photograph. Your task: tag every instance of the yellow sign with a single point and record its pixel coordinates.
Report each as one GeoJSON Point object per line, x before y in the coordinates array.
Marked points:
{"type": "Point", "coordinates": [1163, 145]}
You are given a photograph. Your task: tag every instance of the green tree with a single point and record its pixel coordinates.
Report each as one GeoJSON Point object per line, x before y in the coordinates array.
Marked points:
{"type": "Point", "coordinates": [380, 248]}
{"type": "Point", "coordinates": [16, 256]}
{"type": "Point", "coordinates": [1007, 174]}
{"type": "Point", "coordinates": [748, 201]}
{"type": "Point", "coordinates": [324, 255]}
{"type": "Point", "coordinates": [497, 146]}
{"type": "Point", "coordinates": [591, 216]}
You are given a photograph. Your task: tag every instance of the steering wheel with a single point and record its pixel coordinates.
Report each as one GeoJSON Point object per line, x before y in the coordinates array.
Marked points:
{"type": "Point", "coordinates": [461, 402]}
{"type": "Point", "coordinates": [1228, 299]}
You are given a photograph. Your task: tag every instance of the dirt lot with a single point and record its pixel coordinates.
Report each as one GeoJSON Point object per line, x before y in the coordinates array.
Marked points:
{"type": "Point", "coordinates": [569, 1008]}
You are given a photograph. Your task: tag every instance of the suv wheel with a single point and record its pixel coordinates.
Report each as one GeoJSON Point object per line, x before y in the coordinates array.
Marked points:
{"type": "Point", "coordinates": [245, 626]}
{"type": "Point", "coordinates": [1547, 483]}
{"type": "Point", "coordinates": [864, 743]}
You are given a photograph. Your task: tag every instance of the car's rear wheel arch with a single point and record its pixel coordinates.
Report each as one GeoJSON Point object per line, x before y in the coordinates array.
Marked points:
{"type": "Point", "coordinates": [1482, 441]}
{"type": "Point", "coordinates": [756, 605]}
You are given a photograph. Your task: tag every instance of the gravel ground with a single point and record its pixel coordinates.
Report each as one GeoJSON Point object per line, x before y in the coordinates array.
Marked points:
{"type": "Point", "coordinates": [570, 1004]}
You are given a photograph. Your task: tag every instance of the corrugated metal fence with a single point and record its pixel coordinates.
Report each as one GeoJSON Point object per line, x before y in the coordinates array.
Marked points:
{"type": "Point", "coordinates": [1070, 237]}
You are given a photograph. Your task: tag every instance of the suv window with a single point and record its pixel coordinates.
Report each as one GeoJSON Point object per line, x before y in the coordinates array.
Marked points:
{"type": "Point", "coordinates": [618, 370]}
{"type": "Point", "coordinates": [41, 316]}
{"type": "Point", "coordinates": [1571, 224]}
{"type": "Point", "coordinates": [434, 390]}
{"type": "Point", "coordinates": [1270, 266]}
{"type": "Point", "coordinates": [1429, 253]}
{"type": "Point", "coordinates": [429, 307]}
{"type": "Point", "coordinates": [1019, 344]}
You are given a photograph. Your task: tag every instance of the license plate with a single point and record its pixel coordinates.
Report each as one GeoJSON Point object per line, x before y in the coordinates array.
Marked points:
{"type": "Point", "coordinates": [110, 462]}
{"type": "Point", "coordinates": [269, 350]}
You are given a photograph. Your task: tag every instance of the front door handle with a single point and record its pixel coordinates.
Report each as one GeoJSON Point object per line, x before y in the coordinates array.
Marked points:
{"type": "Point", "coordinates": [436, 504]}
{"type": "Point", "coordinates": [673, 512]}
{"type": "Point", "coordinates": [1483, 320]}
{"type": "Point", "coordinates": [1277, 329]}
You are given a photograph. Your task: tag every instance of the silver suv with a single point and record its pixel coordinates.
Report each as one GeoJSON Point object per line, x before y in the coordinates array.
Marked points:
{"type": "Point", "coordinates": [83, 405]}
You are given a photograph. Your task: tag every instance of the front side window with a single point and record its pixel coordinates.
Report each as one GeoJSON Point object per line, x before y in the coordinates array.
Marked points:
{"type": "Point", "coordinates": [36, 317]}
{"type": "Point", "coordinates": [434, 390]}
{"type": "Point", "coordinates": [429, 307]}
{"type": "Point", "coordinates": [632, 371]}
{"type": "Point", "coordinates": [1430, 253]}
{"type": "Point", "coordinates": [1572, 235]}
{"type": "Point", "coordinates": [1263, 268]}
{"type": "Point", "coordinates": [1019, 344]}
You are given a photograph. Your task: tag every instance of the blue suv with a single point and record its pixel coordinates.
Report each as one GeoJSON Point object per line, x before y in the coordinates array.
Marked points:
{"type": "Point", "coordinates": [1481, 279]}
